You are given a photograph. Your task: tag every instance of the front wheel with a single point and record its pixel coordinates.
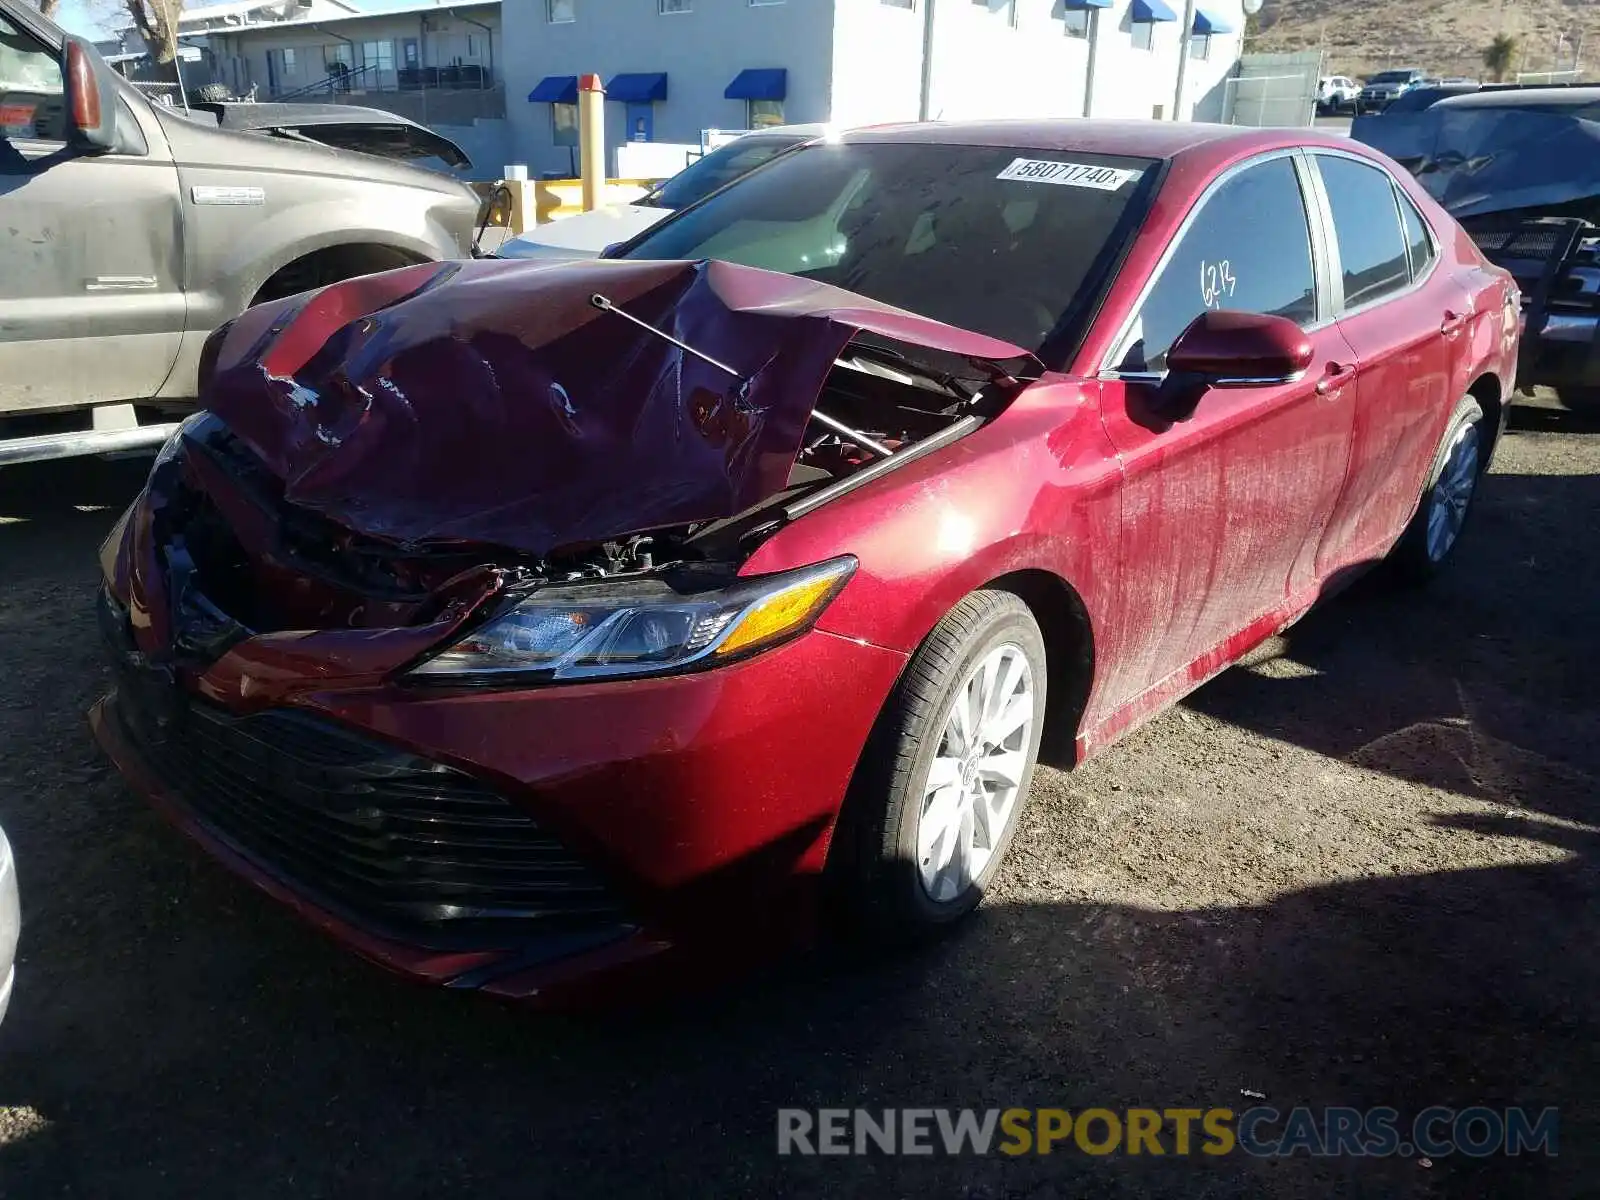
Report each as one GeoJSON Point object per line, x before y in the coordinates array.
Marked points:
{"type": "Point", "coordinates": [944, 778]}
{"type": "Point", "coordinates": [1447, 499]}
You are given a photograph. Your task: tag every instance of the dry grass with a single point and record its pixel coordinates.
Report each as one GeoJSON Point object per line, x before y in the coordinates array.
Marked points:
{"type": "Point", "coordinates": [1444, 36]}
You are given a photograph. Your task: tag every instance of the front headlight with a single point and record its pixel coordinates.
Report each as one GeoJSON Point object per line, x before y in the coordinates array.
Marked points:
{"type": "Point", "coordinates": [646, 628]}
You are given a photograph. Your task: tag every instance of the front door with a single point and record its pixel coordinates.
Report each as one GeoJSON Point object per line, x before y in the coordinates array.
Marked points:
{"type": "Point", "coordinates": [91, 300]}
{"type": "Point", "coordinates": [1222, 512]}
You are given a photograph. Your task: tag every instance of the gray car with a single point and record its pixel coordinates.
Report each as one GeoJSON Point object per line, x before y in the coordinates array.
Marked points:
{"type": "Point", "coordinates": [132, 229]}
{"type": "Point", "coordinates": [10, 923]}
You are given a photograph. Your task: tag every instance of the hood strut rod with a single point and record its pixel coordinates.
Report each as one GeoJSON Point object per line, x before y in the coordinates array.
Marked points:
{"type": "Point", "coordinates": [839, 427]}
{"type": "Point", "coordinates": [605, 305]}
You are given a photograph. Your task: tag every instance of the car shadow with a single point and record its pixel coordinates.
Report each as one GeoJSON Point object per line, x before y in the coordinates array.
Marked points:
{"type": "Point", "coordinates": [1496, 658]}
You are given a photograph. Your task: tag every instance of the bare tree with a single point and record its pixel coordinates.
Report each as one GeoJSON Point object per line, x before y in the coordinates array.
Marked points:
{"type": "Point", "coordinates": [157, 23]}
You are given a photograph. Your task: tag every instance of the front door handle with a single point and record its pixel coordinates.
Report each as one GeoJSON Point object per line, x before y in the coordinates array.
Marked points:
{"type": "Point", "coordinates": [1332, 376]}
{"type": "Point", "coordinates": [1453, 322]}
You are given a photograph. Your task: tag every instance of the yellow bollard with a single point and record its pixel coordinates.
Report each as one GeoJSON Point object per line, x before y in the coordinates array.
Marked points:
{"type": "Point", "coordinates": [592, 140]}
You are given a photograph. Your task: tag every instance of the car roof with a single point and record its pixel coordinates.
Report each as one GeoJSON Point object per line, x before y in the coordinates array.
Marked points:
{"type": "Point", "coordinates": [1133, 139]}
{"type": "Point", "coordinates": [1536, 97]}
{"type": "Point", "coordinates": [816, 129]}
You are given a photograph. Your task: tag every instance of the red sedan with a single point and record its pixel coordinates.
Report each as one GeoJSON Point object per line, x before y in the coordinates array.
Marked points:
{"type": "Point", "coordinates": [521, 623]}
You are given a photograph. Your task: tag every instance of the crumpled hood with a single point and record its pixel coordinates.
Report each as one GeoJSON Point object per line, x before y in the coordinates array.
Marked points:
{"type": "Point", "coordinates": [491, 401]}
{"type": "Point", "coordinates": [1478, 160]}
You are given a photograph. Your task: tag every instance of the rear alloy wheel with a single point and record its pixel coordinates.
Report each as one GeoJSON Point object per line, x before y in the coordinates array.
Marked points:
{"type": "Point", "coordinates": [945, 775]}
{"type": "Point", "coordinates": [1447, 501]}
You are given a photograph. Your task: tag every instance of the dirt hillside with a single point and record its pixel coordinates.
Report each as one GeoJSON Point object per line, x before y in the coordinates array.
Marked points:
{"type": "Point", "coordinates": [1444, 36]}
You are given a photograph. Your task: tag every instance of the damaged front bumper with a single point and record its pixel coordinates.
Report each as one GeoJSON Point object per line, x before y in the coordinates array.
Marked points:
{"type": "Point", "coordinates": [538, 843]}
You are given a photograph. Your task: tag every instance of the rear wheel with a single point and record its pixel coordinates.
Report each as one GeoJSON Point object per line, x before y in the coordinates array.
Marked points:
{"type": "Point", "coordinates": [944, 778]}
{"type": "Point", "coordinates": [1431, 538]}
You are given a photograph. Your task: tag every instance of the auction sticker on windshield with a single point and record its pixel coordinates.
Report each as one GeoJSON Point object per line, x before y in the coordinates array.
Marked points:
{"type": "Point", "coordinates": [1039, 170]}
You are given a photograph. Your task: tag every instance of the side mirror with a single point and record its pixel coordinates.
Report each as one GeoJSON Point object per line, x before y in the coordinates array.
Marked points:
{"type": "Point", "coordinates": [1223, 349]}
{"type": "Point", "coordinates": [91, 97]}
{"type": "Point", "coordinates": [611, 249]}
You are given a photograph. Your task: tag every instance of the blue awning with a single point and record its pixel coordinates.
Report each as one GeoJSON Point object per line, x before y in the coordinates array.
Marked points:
{"type": "Point", "coordinates": [555, 89]}
{"type": "Point", "coordinates": [637, 89]}
{"type": "Point", "coordinates": [1148, 11]}
{"type": "Point", "coordinates": [1205, 22]}
{"type": "Point", "coordinates": [1087, 3]}
{"type": "Point", "coordinates": [759, 83]}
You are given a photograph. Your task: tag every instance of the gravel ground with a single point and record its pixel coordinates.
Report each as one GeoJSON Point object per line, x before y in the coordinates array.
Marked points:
{"type": "Point", "coordinates": [1360, 870]}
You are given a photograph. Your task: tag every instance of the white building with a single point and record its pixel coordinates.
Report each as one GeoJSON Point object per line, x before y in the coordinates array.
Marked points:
{"type": "Point", "coordinates": [675, 68]}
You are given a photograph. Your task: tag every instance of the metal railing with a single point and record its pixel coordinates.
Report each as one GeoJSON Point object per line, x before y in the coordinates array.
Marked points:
{"type": "Point", "coordinates": [373, 78]}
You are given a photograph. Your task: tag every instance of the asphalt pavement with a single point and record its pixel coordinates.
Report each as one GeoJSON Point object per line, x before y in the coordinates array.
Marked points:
{"type": "Point", "coordinates": [1360, 870]}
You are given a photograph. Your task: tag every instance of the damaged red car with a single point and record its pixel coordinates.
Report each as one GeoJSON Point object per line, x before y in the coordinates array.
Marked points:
{"type": "Point", "coordinates": [527, 626]}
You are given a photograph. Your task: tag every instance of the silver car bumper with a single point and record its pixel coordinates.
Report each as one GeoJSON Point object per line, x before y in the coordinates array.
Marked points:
{"type": "Point", "coordinates": [10, 924]}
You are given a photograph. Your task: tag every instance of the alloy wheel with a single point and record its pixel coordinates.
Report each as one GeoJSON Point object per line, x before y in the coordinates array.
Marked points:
{"type": "Point", "coordinates": [976, 778]}
{"type": "Point", "coordinates": [1452, 493]}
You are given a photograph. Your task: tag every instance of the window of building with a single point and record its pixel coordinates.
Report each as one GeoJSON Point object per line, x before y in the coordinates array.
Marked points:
{"type": "Point", "coordinates": [378, 55]}
{"type": "Point", "coordinates": [675, 6]}
{"type": "Point", "coordinates": [1419, 242]}
{"type": "Point", "coordinates": [1144, 35]}
{"type": "Point", "coordinates": [340, 53]}
{"type": "Point", "coordinates": [1248, 249]}
{"type": "Point", "coordinates": [1366, 225]}
{"type": "Point", "coordinates": [764, 114]}
{"type": "Point", "coordinates": [559, 12]}
{"type": "Point", "coordinates": [1200, 46]}
{"type": "Point", "coordinates": [564, 124]}
{"type": "Point", "coordinates": [1076, 21]}
{"type": "Point", "coordinates": [288, 60]}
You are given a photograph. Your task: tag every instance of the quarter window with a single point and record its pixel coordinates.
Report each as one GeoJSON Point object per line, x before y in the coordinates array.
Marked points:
{"type": "Point", "coordinates": [1366, 223]}
{"type": "Point", "coordinates": [1419, 243]}
{"type": "Point", "coordinates": [1248, 249]}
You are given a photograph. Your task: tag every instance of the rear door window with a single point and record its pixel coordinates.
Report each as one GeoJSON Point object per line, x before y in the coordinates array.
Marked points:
{"type": "Point", "coordinates": [1248, 249]}
{"type": "Point", "coordinates": [1419, 242]}
{"type": "Point", "coordinates": [1366, 225]}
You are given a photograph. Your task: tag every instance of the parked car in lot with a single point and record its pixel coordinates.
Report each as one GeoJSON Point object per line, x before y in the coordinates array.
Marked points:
{"type": "Point", "coordinates": [1386, 87]}
{"type": "Point", "coordinates": [522, 624]}
{"type": "Point", "coordinates": [133, 229]}
{"type": "Point", "coordinates": [1335, 93]}
{"type": "Point", "coordinates": [1517, 167]}
{"type": "Point", "coordinates": [10, 924]}
{"type": "Point", "coordinates": [587, 234]}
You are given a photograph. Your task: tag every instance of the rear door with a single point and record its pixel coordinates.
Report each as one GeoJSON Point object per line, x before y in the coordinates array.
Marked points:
{"type": "Point", "coordinates": [91, 304]}
{"type": "Point", "coordinates": [1222, 512]}
{"type": "Point", "coordinates": [1402, 318]}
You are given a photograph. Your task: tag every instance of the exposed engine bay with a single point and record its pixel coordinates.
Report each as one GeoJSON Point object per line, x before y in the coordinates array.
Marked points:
{"type": "Point", "coordinates": [389, 447]}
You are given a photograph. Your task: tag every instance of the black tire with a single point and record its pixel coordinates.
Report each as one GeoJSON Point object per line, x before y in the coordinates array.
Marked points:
{"type": "Point", "coordinates": [1413, 558]}
{"type": "Point", "coordinates": [877, 887]}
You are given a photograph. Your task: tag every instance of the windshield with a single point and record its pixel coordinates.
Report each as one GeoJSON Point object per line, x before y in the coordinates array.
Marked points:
{"type": "Point", "coordinates": [723, 165]}
{"type": "Point", "coordinates": [997, 240]}
{"type": "Point", "coordinates": [1393, 77]}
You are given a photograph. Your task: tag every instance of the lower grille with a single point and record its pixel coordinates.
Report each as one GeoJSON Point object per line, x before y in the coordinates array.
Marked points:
{"type": "Point", "coordinates": [399, 842]}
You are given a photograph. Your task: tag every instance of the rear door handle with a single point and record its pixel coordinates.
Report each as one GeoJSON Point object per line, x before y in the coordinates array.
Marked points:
{"type": "Point", "coordinates": [1333, 375]}
{"type": "Point", "coordinates": [1453, 321]}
